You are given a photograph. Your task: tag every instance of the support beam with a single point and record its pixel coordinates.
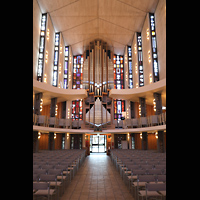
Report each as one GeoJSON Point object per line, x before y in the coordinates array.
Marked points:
{"type": "Point", "coordinates": [51, 144]}
{"type": "Point", "coordinates": [37, 101]}
{"type": "Point", "coordinates": [53, 107]}
{"type": "Point", "coordinates": [158, 101]}
{"type": "Point", "coordinates": [35, 142]}
{"type": "Point", "coordinates": [160, 142]}
{"type": "Point", "coordinates": [144, 141]}
{"type": "Point", "coordinates": [63, 110]}
{"type": "Point", "coordinates": [143, 106]}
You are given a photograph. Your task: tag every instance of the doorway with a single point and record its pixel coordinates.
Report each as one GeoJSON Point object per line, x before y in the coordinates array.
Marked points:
{"type": "Point", "coordinates": [98, 143]}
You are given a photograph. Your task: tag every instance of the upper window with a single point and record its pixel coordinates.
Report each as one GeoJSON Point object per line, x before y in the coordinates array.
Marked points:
{"type": "Point", "coordinates": [130, 68]}
{"type": "Point", "coordinates": [56, 58]}
{"type": "Point", "coordinates": [154, 47]}
{"type": "Point", "coordinates": [140, 60]}
{"type": "Point", "coordinates": [66, 67]}
{"type": "Point", "coordinates": [118, 72]}
{"type": "Point", "coordinates": [78, 72]}
{"type": "Point", "coordinates": [41, 48]}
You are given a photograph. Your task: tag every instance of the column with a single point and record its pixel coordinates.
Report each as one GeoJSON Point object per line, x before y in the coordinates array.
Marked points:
{"type": "Point", "coordinates": [67, 141]}
{"type": "Point", "coordinates": [53, 107]}
{"type": "Point", "coordinates": [144, 141]}
{"type": "Point", "coordinates": [143, 106]}
{"type": "Point", "coordinates": [129, 140]}
{"type": "Point", "coordinates": [35, 142]}
{"type": "Point", "coordinates": [158, 101]}
{"type": "Point", "coordinates": [160, 142]}
{"type": "Point", "coordinates": [51, 145]}
{"type": "Point", "coordinates": [132, 110]}
{"type": "Point", "coordinates": [37, 102]}
{"type": "Point", "coordinates": [127, 110]}
{"type": "Point", "coordinates": [112, 140]}
{"type": "Point", "coordinates": [63, 110]}
{"type": "Point", "coordinates": [83, 141]}
{"type": "Point", "coordinates": [69, 109]}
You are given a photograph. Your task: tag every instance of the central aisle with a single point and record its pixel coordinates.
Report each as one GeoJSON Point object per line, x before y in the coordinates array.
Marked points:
{"type": "Point", "coordinates": [97, 179]}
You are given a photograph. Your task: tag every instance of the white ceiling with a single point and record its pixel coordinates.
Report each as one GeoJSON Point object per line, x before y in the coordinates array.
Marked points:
{"type": "Point", "coordinates": [113, 21]}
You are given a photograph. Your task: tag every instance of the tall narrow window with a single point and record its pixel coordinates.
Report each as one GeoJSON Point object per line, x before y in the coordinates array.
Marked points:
{"type": "Point", "coordinates": [119, 107]}
{"type": "Point", "coordinates": [154, 47]}
{"type": "Point", "coordinates": [77, 110]}
{"type": "Point", "coordinates": [118, 72]}
{"type": "Point", "coordinates": [41, 48]}
{"type": "Point", "coordinates": [78, 72]}
{"type": "Point", "coordinates": [130, 67]}
{"type": "Point", "coordinates": [140, 60]}
{"type": "Point", "coordinates": [66, 67]}
{"type": "Point", "coordinates": [56, 59]}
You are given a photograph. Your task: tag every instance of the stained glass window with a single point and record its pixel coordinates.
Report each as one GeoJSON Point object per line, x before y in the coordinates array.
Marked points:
{"type": "Point", "coordinates": [118, 72]}
{"type": "Point", "coordinates": [77, 110]}
{"type": "Point", "coordinates": [154, 47]}
{"type": "Point", "coordinates": [140, 60]}
{"type": "Point", "coordinates": [119, 107]}
{"type": "Point", "coordinates": [41, 48]}
{"type": "Point", "coordinates": [56, 58]}
{"type": "Point", "coordinates": [78, 72]}
{"type": "Point", "coordinates": [66, 67]}
{"type": "Point", "coordinates": [130, 75]}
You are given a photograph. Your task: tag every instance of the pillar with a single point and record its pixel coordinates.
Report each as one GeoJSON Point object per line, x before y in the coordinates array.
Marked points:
{"type": "Point", "coordinates": [63, 110]}
{"type": "Point", "coordinates": [53, 107]}
{"type": "Point", "coordinates": [67, 141]}
{"type": "Point", "coordinates": [160, 142]}
{"type": "Point", "coordinates": [127, 110]}
{"type": "Point", "coordinates": [143, 106]}
{"type": "Point", "coordinates": [83, 140]}
{"type": "Point", "coordinates": [132, 110]}
{"type": "Point", "coordinates": [37, 101]}
{"type": "Point", "coordinates": [158, 101]}
{"type": "Point", "coordinates": [129, 140]}
{"type": "Point", "coordinates": [51, 145]}
{"type": "Point", "coordinates": [144, 141]}
{"type": "Point", "coordinates": [35, 142]}
{"type": "Point", "coordinates": [68, 109]}
{"type": "Point", "coordinates": [112, 140]}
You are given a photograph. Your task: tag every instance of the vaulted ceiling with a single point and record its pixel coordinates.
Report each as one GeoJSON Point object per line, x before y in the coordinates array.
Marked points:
{"type": "Point", "coordinates": [113, 21]}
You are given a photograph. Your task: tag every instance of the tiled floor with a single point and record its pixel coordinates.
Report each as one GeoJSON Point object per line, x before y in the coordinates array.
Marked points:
{"type": "Point", "coordinates": [97, 179]}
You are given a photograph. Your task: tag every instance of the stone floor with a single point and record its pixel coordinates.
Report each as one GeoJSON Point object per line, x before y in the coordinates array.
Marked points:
{"type": "Point", "coordinates": [97, 179]}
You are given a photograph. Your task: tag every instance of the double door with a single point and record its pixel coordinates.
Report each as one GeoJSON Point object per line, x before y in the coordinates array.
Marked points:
{"type": "Point", "coordinates": [97, 143]}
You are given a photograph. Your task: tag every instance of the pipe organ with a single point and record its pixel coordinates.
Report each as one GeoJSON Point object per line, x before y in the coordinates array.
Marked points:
{"type": "Point", "coordinates": [98, 79]}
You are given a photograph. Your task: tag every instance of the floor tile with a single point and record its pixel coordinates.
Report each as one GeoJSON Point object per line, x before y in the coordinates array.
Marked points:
{"type": "Point", "coordinates": [97, 179]}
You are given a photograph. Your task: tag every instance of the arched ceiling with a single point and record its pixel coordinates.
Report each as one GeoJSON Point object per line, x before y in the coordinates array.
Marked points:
{"type": "Point", "coordinates": [113, 21]}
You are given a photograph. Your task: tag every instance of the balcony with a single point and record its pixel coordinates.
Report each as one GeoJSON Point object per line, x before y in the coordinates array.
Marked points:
{"type": "Point", "coordinates": [150, 123]}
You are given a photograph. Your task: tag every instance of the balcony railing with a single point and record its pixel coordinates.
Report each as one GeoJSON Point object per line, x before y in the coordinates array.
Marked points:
{"type": "Point", "coordinates": [153, 120]}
